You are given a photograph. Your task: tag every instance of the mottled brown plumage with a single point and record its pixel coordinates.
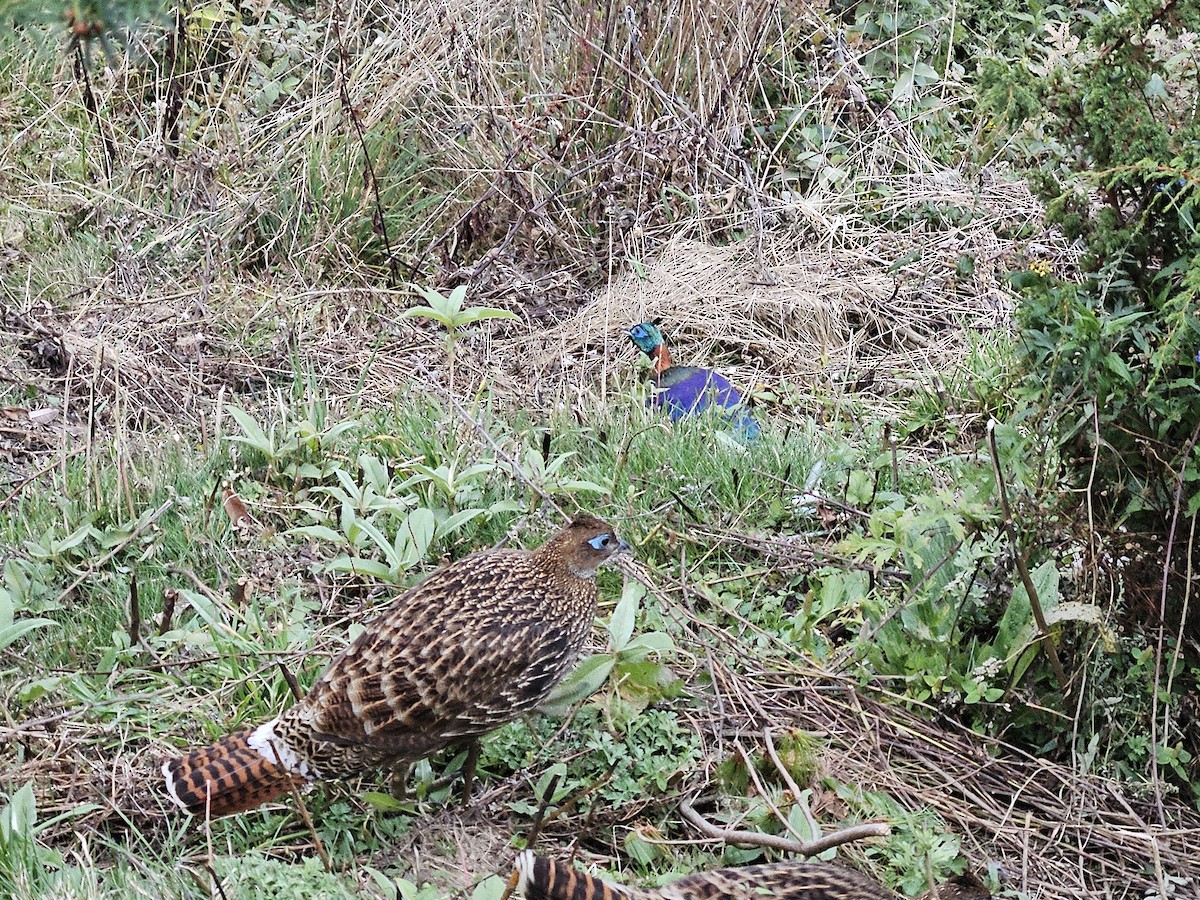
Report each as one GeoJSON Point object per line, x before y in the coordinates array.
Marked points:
{"type": "Point", "coordinates": [477, 644]}
{"type": "Point", "coordinates": [547, 879]}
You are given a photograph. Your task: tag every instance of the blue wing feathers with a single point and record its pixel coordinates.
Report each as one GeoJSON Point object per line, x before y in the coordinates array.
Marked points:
{"type": "Point", "coordinates": [688, 389]}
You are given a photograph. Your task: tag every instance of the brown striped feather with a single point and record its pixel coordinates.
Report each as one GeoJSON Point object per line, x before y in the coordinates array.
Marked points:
{"type": "Point", "coordinates": [478, 644]}
{"type": "Point", "coordinates": [546, 879]}
{"type": "Point", "coordinates": [226, 777]}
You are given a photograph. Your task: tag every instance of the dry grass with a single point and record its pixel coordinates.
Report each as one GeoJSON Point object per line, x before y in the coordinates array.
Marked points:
{"type": "Point", "coordinates": [532, 152]}
{"type": "Point", "coordinates": [537, 153]}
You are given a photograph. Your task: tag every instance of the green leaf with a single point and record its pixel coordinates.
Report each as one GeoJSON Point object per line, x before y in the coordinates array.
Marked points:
{"type": "Point", "coordinates": [368, 528]}
{"type": "Point", "coordinates": [354, 566]}
{"type": "Point", "coordinates": [478, 313]}
{"type": "Point", "coordinates": [419, 529]}
{"type": "Point", "coordinates": [19, 629]}
{"type": "Point", "coordinates": [426, 312]}
{"type": "Point", "coordinates": [1010, 633]}
{"type": "Point", "coordinates": [386, 802]}
{"type": "Point", "coordinates": [491, 888]}
{"type": "Point", "coordinates": [805, 825]}
{"type": "Point", "coordinates": [35, 690]}
{"type": "Point", "coordinates": [561, 789]}
{"type": "Point", "coordinates": [320, 532]}
{"type": "Point", "coordinates": [587, 678]}
{"type": "Point", "coordinates": [620, 627]}
{"type": "Point", "coordinates": [19, 817]}
{"type": "Point", "coordinates": [641, 851]}
{"type": "Point", "coordinates": [454, 522]}
{"type": "Point", "coordinates": [254, 435]}
{"type": "Point", "coordinates": [651, 642]}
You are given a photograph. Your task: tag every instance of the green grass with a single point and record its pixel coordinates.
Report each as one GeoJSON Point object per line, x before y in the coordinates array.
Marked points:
{"type": "Point", "coordinates": [927, 634]}
{"type": "Point", "coordinates": [822, 544]}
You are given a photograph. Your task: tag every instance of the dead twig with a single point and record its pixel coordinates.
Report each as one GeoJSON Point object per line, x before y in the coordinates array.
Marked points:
{"type": "Point", "coordinates": [774, 842]}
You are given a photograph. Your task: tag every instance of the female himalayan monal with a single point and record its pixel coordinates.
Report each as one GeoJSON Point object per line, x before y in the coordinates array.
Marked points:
{"type": "Point", "coordinates": [538, 878]}
{"type": "Point", "coordinates": [478, 644]}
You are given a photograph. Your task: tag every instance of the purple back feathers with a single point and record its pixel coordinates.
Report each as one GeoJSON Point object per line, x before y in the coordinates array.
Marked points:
{"type": "Point", "coordinates": [683, 390]}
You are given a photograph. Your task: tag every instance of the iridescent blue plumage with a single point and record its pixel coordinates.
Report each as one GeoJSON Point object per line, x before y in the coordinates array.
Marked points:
{"type": "Point", "coordinates": [684, 390]}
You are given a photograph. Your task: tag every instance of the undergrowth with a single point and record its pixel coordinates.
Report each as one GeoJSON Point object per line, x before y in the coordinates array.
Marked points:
{"type": "Point", "coordinates": [261, 176]}
{"type": "Point", "coordinates": [267, 550]}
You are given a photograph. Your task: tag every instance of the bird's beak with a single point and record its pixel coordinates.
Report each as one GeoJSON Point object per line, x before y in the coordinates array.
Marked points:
{"type": "Point", "coordinates": [622, 546]}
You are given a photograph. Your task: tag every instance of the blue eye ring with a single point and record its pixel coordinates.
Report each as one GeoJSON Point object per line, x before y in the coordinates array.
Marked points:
{"type": "Point", "coordinates": [600, 541]}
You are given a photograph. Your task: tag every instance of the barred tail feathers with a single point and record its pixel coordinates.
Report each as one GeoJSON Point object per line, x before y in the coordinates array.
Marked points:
{"type": "Point", "coordinates": [236, 774]}
{"type": "Point", "coordinates": [539, 878]}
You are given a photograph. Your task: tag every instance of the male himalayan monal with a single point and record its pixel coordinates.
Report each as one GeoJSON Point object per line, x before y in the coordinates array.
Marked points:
{"type": "Point", "coordinates": [687, 390]}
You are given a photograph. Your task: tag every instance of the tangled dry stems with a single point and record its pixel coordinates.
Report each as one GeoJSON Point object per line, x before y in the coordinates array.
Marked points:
{"type": "Point", "coordinates": [566, 150]}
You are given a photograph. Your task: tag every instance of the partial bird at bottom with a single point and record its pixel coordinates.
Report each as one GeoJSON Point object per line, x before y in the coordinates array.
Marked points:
{"type": "Point", "coordinates": [476, 645]}
{"type": "Point", "coordinates": [688, 390]}
{"type": "Point", "coordinates": [538, 878]}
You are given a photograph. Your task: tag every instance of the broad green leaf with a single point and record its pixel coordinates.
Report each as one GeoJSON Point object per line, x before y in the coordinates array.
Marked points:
{"type": "Point", "coordinates": [557, 771]}
{"type": "Point", "coordinates": [491, 888]}
{"type": "Point", "coordinates": [419, 528]}
{"type": "Point", "coordinates": [620, 627]}
{"type": "Point", "coordinates": [21, 813]}
{"type": "Point", "coordinates": [19, 629]}
{"type": "Point", "coordinates": [642, 851]}
{"type": "Point", "coordinates": [587, 678]}
{"type": "Point", "coordinates": [386, 802]}
{"type": "Point", "coordinates": [579, 486]}
{"type": "Point", "coordinates": [74, 539]}
{"type": "Point", "coordinates": [426, 312]}
{"type": "Point", "coordinates": [253, 436]}
{"type": "Point", "coordinates": [1013, 624]}
{"type": "Point", "coordinates": [651, 642]}
{"type": "Point", "coordinates": [35, 690]}
{"type": "Point", "coordinates": [352, 566]}
{"type": "Point", "coordinates": [375, 472]}
{"type": "Point", "coordinates": [925, 71]}
{"type": "Point", "coordinates": [320, 532]}
{"type": "Point", "coordinates": [452, 523]}
{"type": "Point", "coordinates": [805, 825]}
{"type": "Point", "coordinates": [478, 313]}
{"type": "Point", "coordinates": [368, 528]}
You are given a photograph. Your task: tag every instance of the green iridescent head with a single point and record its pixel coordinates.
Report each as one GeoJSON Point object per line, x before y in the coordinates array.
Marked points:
{"type": "Point", "coordinates": [646, 335]}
